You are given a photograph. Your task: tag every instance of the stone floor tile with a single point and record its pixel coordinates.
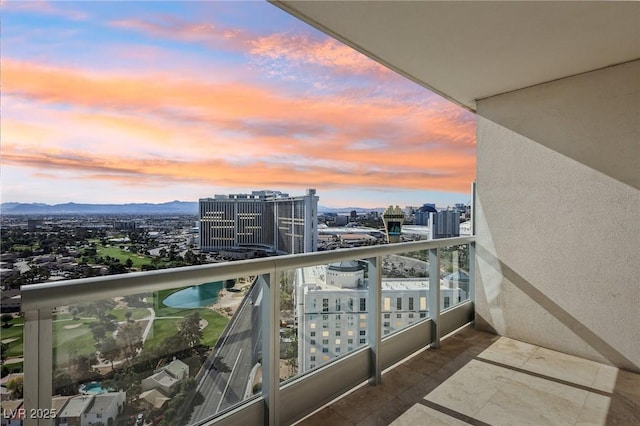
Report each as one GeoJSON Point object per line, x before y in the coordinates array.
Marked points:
{"type": "Point", "coordinates": [605, 379]}
{"type": "Point", "coordinates": [595, 410]}
{"type": "Point", "coordinates": [388, 413]}
{"type": "Point", "coordinates": [509, 352]}
{"type": "Point", "coordinates": [461, 381]}
{"type": "Point", "coordinates": [562, 366]}
{"type": "Point", "coordinates": [628, 386]}
{"type": "Point", "coordinates": [453, 346]}
{"type": "Point", "coordinates": [623, 411]}
{"type": "Point", "coordinates": [527, 399]}
{"type": "Point", "coordinates": [421, 415]}
{"type": "Point", "coordinates": [427, 362]}
{"type": "Point", "coordinates": [419, 390]}
{"type": "Point", "coordinates": [401, 379]}
{"type": "Point", "coordinates": [326, 416]}
{"type": "Point", "coordinates": [469, 389]}
{"type": "Point", "coordinates": [360, 404]}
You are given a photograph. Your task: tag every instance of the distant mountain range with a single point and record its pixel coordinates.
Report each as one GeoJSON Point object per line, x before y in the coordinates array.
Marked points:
{"type": "Point", "coordinates": [173, 207]}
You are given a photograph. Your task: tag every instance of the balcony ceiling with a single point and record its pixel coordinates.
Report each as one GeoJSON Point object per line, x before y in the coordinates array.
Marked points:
{"type": "Point", "coordinates": [473, 50]}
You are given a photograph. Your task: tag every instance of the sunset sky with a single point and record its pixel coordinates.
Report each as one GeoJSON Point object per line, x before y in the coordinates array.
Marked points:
{"type": "Point", "coordinates": [118, 102]}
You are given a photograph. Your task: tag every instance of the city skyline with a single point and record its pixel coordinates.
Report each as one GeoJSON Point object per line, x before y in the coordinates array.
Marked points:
{"type": "Point", "coordinates": [151, 102]}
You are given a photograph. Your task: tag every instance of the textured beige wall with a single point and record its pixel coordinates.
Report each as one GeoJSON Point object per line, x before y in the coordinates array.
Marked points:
{"type": "Point", "coordinates": [558, 215]}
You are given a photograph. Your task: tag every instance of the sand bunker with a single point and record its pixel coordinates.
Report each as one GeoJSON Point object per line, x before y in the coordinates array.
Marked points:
{"type": "Point", "coordinates": [69, 327]}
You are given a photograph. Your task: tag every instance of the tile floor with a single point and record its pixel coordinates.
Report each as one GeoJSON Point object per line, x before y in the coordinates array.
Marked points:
{"type": "Point", "coordinates": [479, 378]}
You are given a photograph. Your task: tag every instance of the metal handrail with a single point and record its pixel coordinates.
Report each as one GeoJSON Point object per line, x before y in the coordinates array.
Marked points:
{"type": "Point", "coordinates": [51, 295]}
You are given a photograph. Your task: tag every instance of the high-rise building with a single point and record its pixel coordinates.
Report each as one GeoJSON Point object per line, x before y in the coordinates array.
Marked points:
{"type": "Point", "coordinates": [421, 217]}
{"type": "Point", "coordinates": [271, 219]}
{"type": "Point", "coordinates": [393, 218]}
{"type": "Point", "coordinates": [444, 224]}
{"type": "Point", "coordinates": [332, 310]}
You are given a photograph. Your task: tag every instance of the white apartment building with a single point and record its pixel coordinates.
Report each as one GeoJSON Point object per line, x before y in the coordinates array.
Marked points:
{"type": "Point", "coordinates": [92, 410]}
{"type": "Point", "coordinates": [332, 311]}
{"type": "Point", "coordinates": [270, 219]}
{"type": "Point", "coordinates": [104, 409]}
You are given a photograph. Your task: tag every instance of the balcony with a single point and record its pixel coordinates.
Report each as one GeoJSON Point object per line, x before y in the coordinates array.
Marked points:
{"type": "Point", "coordinates": [471, 376]}
{"type": "Point", "coordinates": [480, 378]}
{"type": "Point", "coordinates": [303, 334]}
{"type": "Point", "coordinates": [554, 263]}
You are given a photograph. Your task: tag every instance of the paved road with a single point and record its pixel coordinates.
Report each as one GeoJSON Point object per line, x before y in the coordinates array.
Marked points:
{"type": "Point", "coordinates": [225, 383]}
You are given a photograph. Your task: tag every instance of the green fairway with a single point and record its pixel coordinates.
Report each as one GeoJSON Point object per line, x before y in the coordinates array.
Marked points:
{"type": "Point", "coordinates": [72, 338]}
{"type": "Point", "coordinates": [163, 328]}
{"type": "Point", "coordinates": [15, 348]}
{"type": "Point", "coordinates": [15, 367]}
{"type": "Point", "coordinates": [116, 253]}
{"type": "Point", "coordinates": [167, 327]}
{"type": "Point", "coordinates": [214, 329]}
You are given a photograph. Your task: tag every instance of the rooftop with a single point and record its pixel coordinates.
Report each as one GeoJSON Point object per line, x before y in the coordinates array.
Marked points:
{"type": "Point", "coordinates": [177, 368]}
{"type": "Point", "coordinates": [164, 377]}
{"type": "Point", "coordinates": [103, 401]}
{"type": "Point", "coordinates": [76, 406]}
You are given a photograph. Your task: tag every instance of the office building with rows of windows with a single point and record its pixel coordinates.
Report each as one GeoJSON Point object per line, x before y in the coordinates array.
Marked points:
{"type": "Point", "coordinates": [332, 311]}
{"type": "Point", "coordinates": [268, 219]}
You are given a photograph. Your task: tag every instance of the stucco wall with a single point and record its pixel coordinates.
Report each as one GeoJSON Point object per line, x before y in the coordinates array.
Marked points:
{"type": "Point", "coordinates": [558, 215]}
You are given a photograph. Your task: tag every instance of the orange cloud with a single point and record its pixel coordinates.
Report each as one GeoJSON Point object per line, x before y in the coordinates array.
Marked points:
{"type": "Point", "coordinates": [329, 53]}
{"type": "Point", "coordinates": [169, 127]}
{"type": "Point", "coordinates": [257, 174]}
{"type": "Point", "coordinates": [169, 27]}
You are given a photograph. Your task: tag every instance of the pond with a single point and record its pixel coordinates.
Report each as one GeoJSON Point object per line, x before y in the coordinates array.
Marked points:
{"type": "Point", "coordinates": [194, 297]}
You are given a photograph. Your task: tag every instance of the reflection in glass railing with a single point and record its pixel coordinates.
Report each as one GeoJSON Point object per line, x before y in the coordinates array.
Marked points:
{"type": "Point", "coordinates": [405, 288]}
{"type": "Point", "coordinates": [178, 356]}
{"type": "Point", "coordinates": [454, 278]}
{"type": "Point", "coordinates": [170, 357]}
{"type": "Point", "coordinates": [323, 314]}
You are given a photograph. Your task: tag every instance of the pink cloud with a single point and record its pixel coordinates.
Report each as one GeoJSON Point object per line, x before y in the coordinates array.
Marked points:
{"type": "Point", "coordinates": [172, 127]}
{"type": "Point", "coordinates": [296, 48]}
{"type": "Point", "coordinates": [44, 8]}
{"type": "Point", "coordinates": [301, 48]}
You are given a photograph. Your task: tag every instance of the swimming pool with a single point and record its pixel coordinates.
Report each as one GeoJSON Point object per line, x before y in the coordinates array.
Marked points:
{"type": "Point", "coordinates": [194, 297]}
{"type": "Point", "coordinates": [93, 388]}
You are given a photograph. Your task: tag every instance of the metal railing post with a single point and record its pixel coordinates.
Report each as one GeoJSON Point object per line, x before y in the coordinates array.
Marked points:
{"type": "Point", "coordinates": [434, 296]}
{"type": "Point", "coordinates": [271, 349]}
{"type": "Point", "coordinates": [374, 320]}
{"type": "Point", "coordinates": [38, 365]}
{"type": "Point", "coordinates": [472, 272]}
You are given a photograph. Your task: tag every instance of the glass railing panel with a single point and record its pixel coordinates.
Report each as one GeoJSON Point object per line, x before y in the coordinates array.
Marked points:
{"type": "Point", "coordinates": [115, 344]}
{"type": "Point", "coordinates": [323, 314]}
{"type": "Point", "coordinates": [170, 357]}
{"type": "Point", "coordinates": [454, 275]}
{"type": "Point", "coordinates": [405, 290]}
{"type": "Point", "coordinates": [12, 333]}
